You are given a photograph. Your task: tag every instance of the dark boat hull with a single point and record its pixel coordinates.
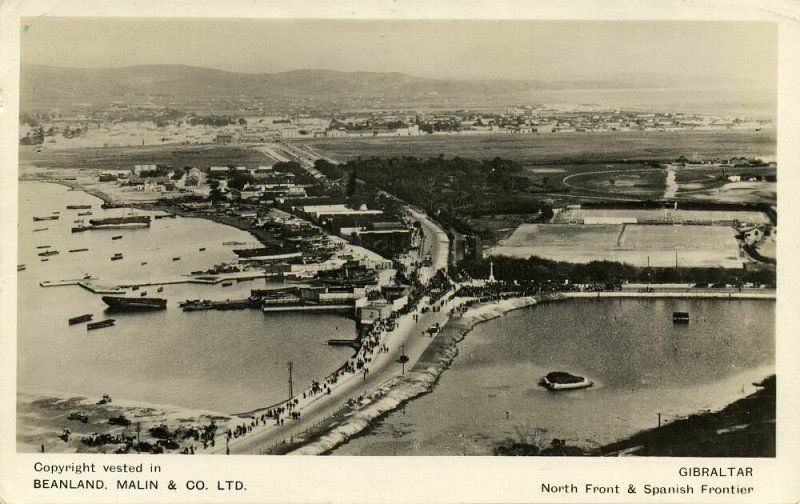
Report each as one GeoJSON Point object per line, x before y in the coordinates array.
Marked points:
{"type": "Point", "coordinates": [134, 304]}
{"type": "Point", "coordinates": [80, 319]}
{"type": "Point", "coordinates": [100, 324]}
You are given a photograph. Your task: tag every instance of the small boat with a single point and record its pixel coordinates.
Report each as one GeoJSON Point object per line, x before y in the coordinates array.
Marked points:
{"type": "Point", "coordinates": [84, 213]}
{"type": "Point", "coordinates": [40, 229]}
{"type": "Point", "coordinates": [227, 284]}
{"type": "Point", "coordinates": [56, 213]}
{"type": "Point", "coordinates": [78, 207]}
{"type": "Point", "coordinates": [176, 258]}
{"type": "Point", "coordinates": [80, 318]}
{"type": "Point", "coordinates": [78, 221]}
{"type": "Point", "coordinates": [21, 267]}
{"type": "Point", "coordinates": [234, 243]}
{"type": "Point", "coordinates": [98, 325]}
{"type": "Point", "coordinates": [49, 217]}
{"type": "Point", "coordinates": [165, 216]}
{"type": "Point", "coordinates": [116, 257]}
{"type": "Point", "coordinates": [144, 262]}
{"type": "Point", "coordinates": [680, 317]}
{"type": "Point", "coordinates": [48, 253]}
{"type": "Point", "coordinates": [116, 237]}
{"type": "Point", "coordinates": [135, 287]}
{"type": "Point", "coordinates": [143, 294]}
{"type": "Point", "coordinates": [79, 250]}
{"type": "Point", "coordinates": [42, 246]}
{"type": "Point", "coordinates": [202, 249]}
{"type": "Point", "coordinates": [560, 380]}
{"type": "Point", "coordinates": [160, 289]}
{"type": "Point", "coordinates": [45, 259]}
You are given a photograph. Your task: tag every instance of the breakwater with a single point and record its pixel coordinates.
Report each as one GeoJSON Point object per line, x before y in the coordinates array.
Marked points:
{"type": "Point", "coordinates": [417, 381]}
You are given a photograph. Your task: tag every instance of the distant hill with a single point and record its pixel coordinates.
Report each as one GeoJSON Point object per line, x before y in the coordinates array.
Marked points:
{"type": "Point", "coordinates": [47, 86]}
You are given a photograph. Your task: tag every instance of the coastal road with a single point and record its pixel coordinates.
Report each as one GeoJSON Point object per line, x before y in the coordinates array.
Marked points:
{"type": "Point", "coordinates": [407, 338]}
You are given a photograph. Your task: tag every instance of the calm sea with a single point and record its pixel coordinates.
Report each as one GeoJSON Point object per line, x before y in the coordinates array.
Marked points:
{"type": "Point", "coordinates": [641, 363]}
{"type": "Point", "coordinates": [228, 361]}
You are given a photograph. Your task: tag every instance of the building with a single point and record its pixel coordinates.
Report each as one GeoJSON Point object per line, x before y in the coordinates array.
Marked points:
{"type": "Point", "coordinates": [194, 178]}
{"type": "Point", "coordinates": [223, 138]}
{"type": "Point", "coordinates": [374, 311]}
{"type": "Point", "coordinates": [138, 169]}
{"type": "Point", "coordinates": [332, 295]}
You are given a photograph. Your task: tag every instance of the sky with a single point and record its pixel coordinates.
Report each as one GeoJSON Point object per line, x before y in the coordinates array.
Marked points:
{"type": "Point", "coordinates": [536, 50]}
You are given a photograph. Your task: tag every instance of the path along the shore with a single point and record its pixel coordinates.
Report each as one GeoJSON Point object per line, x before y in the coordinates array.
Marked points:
{"type": "Point", "coordinates": [408, 338]}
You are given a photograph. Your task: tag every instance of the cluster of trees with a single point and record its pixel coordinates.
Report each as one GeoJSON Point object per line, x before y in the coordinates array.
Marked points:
{"type": "Point", "coordinates": [608, 272]}
{"type": "Point", "coordinates": [448, 189]}
{"type": "Point", "coordinates": [211, 120]}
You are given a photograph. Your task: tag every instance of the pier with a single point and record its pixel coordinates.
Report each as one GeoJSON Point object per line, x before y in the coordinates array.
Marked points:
{"type": "Point", "coordinates": [86, 283]}
{"type": "Point", "coordinates": [301, 308]}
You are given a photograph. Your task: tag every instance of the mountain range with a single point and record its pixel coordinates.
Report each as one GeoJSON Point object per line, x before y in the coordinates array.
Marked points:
{"type": "Point", "coordinates": [49, 86]}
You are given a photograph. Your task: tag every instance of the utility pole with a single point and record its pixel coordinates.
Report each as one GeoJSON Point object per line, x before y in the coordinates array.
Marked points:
{"type": "Point", "coordinates": [659, 419]}
{"type": "Point", "coordinates": [291, 385]}
{"type": "Point", "coordinates": [138, 440]}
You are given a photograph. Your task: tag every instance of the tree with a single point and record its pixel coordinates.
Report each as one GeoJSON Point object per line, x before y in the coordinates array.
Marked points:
{"type": "Point", "coordinates": [216, 195]}
{"type": "Point", "coordinates": [242, 121]}
{"type": "Point", "coordinates": [351, 184]}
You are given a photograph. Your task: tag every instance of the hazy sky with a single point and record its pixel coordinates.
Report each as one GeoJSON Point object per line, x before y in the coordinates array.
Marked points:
{"type": "Point", "coordinates": [443, 49]}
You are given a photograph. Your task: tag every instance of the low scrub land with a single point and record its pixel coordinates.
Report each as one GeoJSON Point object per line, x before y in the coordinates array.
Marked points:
{"type": "Point", "coordinates": [558, 147]}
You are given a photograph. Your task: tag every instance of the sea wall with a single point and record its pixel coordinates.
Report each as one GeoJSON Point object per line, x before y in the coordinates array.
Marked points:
{"type": "Point", "coordinates": [419, 380]}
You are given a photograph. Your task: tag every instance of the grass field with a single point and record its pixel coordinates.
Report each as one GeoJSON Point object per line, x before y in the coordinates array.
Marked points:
{"type": "Point", "coordinates": [636, 181]}
{"type": "Point", "coordinates": [653, 245]}
{"type": "Point", "coordinates": [123, 158]}
{"type": "Point", "coordinates": [576, 147]}
{"type": "Point", "coordinates": [675, 216]}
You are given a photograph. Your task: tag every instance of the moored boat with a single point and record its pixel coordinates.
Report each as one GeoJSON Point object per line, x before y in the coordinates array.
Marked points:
{"type": "Point", "coordinates": [40, 229]}
{"type": "Point", "coordinates": [134, 304]}
{"type": "Point", "coordinates": [116, 237]}
{"type": "Point", "coordinates": [80, 318]}
{"type": "Point", "coordinates": [21, 267]}
{"type": "Point", "coordinates": [98, 325]}
{"type": "Point", "coordinates": [560, 380]}
{"type": "Point", "coordinates": [47, 253]}
{"type": "Point", "coordinates": [84, 213]}
{"type": "Point", "coordinates": [78, 207]}
{"type": "Point", "coordinates": [49, 217]}
{"type": "Point", "coordinates": [120, 222]}
{"type": "Point", "coordinates": [79, 250]}
{"type": "Point", "coordinates": [43, 246]}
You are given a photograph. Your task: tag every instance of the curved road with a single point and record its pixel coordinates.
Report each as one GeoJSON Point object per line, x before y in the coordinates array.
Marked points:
{"type": "Point", "coordinates": [406, 338]}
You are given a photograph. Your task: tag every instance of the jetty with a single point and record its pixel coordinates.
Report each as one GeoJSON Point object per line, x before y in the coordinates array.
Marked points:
{"type": "Point", "coordinates": [307, 307]}
{"type": "Point", "coordinates": [87, 283]}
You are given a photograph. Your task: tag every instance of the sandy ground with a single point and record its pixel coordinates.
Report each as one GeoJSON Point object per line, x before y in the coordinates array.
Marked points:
{"type": "Point", "coordinates": [42, 417]}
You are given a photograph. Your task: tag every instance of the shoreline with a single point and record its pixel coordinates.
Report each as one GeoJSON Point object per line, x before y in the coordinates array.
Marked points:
{"type": "Point", "coordinates": [419, 380]}
{"type": "Point", "coordinates": [354, 422]}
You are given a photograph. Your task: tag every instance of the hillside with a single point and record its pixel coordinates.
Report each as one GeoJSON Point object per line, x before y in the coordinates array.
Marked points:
{"type": "Point", "coordinates": [47, 86]}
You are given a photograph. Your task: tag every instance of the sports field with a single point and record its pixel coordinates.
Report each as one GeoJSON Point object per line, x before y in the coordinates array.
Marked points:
{"type": "Point", "coordinates": [638, 245]}
{"type": "Point", "coordinates": [662, 215]}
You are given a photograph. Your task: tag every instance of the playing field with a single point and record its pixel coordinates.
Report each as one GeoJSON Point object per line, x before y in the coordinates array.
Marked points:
{"type": "Point", "coordinates": [662, 215]}
{"type": "Point", "coordinates": [638, 245]}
